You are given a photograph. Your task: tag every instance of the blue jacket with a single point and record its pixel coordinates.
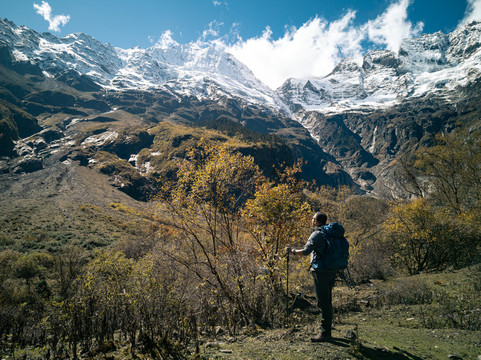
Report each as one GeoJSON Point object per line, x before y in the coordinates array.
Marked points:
{"type": "Point", "coordinates": [317, 241]}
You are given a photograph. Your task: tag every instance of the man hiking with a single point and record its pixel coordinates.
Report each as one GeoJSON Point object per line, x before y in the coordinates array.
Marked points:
{"type": "Point", "coordinates": [329, 252]}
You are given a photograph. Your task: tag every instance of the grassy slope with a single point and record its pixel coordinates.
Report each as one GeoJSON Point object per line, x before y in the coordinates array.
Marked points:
{"type": "Point", "coordinates": [59, 205]}
{"type": "Point", "coordinates": [384, 330]}
{"type": "Point", "coordinates": [66, 203]}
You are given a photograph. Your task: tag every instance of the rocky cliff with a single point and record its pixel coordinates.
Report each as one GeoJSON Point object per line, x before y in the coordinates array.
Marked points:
{"type": "Point", "coordinates": [350, 125]}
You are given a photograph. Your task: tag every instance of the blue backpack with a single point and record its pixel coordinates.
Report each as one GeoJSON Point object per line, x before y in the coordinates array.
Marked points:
{"type": "Point", "coordinates": [336, 253]}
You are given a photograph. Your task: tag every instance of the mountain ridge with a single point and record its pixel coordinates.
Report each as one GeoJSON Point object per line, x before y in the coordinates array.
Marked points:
{"type": "Point", "coordinates": [432, 64]}
{"type": "Point", "coordinates": [360, 117]}
{"type": "Point", "coordinates": [423, 65]}
{"type": "Point", "coordinates": [192, 69]}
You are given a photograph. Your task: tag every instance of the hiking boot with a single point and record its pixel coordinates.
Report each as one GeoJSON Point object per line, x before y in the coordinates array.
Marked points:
{"type": "Point", "coordinates": [321, 338]}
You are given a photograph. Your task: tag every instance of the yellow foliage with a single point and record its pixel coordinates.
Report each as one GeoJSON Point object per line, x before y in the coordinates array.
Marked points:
{"type": "Point", "coordinates": [277, 216]}
{"type": "Point", "coordinates": [429, 238]}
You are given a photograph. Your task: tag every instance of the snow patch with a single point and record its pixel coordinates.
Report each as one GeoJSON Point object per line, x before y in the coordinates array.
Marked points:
{"type": "Point", "coordinates": [147, 168]}
{"type": "Point", "coordinates": [373, 144]}
{"type": "Point", "coordinates": [100, 139]}
{"type": "Point", "coordinates": [19, 56]}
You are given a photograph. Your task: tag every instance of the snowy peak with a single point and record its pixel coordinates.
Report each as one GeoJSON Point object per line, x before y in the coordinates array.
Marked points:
{"type": "Point", "coordinates": [432, 64]}
{"type": "Point", "coordinates": [80, 52]}
{"type": "Point", "coordinates": [195, 69]}
{"type": "Point", "coordinates": [464, 43]}
{"type": "Point", "coordinates": [426, 53]}
{"type": "Point", "coordinates": [343, 84]}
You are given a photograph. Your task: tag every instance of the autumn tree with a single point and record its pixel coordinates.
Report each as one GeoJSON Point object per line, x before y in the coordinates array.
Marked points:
{"type": "Point", "coordinates": [203, 205]}
{"type": "Point", "coordinates": [275, 217]}
{"type": "Point", "coordinates": [428, 238]}
{"type": "Point", "coordinates": [453, 170]}
{"type": "Point", "coordinates": [439, 226]}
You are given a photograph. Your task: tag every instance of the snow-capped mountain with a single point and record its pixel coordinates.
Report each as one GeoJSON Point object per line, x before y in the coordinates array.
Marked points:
{"type": "Point", "coordinates": [195, 69]}
{"type": "Point", "coordinates": [355, 121]}
{"type": "Point", "coordinates": [366, 115]}
{"type": "Point", "coordinates": [432, 64]}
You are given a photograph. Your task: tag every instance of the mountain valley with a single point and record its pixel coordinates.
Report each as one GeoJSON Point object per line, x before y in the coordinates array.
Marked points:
{"type": "Point", "coordinates": [79, 97]}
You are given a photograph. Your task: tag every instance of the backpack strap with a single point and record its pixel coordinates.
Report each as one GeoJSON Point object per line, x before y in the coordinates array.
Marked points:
{"type": "Point", "coordinates": [326, 243]}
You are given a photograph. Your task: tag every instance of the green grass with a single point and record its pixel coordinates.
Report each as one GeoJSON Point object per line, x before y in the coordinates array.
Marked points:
{"type": "Point", "coordinates": [395, 332]}
{"type": "Point", "coordinates": [378, 338]}
{"type": "Point", "coordinates": [43, 228]}
{"type": "Point", "coordinates": [387, 325]}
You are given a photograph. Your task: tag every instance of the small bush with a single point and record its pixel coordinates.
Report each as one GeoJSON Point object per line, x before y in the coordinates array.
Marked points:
{"type": "Point", "coordinates": [372, 262]}
{"type": "Point", "coordinates": [453, 311]}
{"type": "Point", "coordinates": [6, 241]}
{"type": "Point", "coordinates": [409, 291]}
{"type": "Point", "coordinates": [428, 238]}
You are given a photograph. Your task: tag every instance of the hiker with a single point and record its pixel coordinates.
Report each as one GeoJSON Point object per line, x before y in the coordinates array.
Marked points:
{"type": "Point", "coordinates": [323, 272]}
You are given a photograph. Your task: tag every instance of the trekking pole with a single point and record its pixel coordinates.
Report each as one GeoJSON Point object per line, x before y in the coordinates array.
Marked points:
{"type": "Point", "coordinates": [347, 279]}
{"type": "Point", "coordinates": [353, 285]}
{"type": "Point", "coordinates": [287, 281]}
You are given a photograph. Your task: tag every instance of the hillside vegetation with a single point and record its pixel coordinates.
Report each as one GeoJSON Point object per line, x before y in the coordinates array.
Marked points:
{"type": "Point", "coordinates": [199, 272]}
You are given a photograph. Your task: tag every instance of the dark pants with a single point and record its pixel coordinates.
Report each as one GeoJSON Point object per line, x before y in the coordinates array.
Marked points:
{"type": "Point", "coordinates": [323, 284]}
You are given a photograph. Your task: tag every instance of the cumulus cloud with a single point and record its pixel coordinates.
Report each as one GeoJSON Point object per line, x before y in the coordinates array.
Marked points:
{"type": "Point", "coordinates": [391, 27]}
{"type": "Point", "coordinates": [313, 49]}
{"type": "Point", "coordinates": [473, 12]}
{"type": "Point", "coordinates": [317, 46]}
{"type": "Point", "coordinates": [54, 22]}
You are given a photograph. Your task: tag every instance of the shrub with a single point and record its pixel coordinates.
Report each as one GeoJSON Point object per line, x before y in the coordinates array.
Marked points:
{"type": "Point", "coordinates": [428, 238]}
{"type": "Point", "coordinates": [409, 291]}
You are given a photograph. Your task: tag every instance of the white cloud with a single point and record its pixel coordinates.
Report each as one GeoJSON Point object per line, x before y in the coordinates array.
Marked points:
{"type": "Point", "coordinates": [391, 27]}
{"type": "Point", "coordinates": [217, 3]}
{"type": "Point", "coordinates": [313, 49]}
{"type": "Point", "coordinates": [166, 40]}
{"type": "Point", "coordinates": [54, 22]}
{"type": "Point", "coordinates": [473, 12]}
{"type": "Point", "coordinates": [317, 46]}
{"type": "Point", "coordinates": [212, 30]}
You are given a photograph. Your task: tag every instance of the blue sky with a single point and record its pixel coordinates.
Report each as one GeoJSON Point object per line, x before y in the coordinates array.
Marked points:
{"type": "Point", "coordinates": [275, 38]}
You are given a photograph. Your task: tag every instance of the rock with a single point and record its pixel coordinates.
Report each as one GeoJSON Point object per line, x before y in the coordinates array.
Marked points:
{"type": "Point", "coordinates": [350, 335]}
{"type": "Point", "coordinates": [23, 149]}
{"type": "Point", "coordinates": [4, 167]}
{"type": "Point", "coordinates": [455, 357]}
{"type": "Point", "coordinates": [213, 344]}
{"type": "Point", "coordinates": [51, 134]}
{"type": "Point", "coordinates": [28, 164]}
{"type": "Point", "coordinates": [79, 156]}
{"type": "Point", "coordinates": [39, 144]}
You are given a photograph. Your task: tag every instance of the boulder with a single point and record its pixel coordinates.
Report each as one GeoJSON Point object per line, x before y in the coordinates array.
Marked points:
{"type": "Point", "coordinates": [51, 134]}
{"type": "Point", "coordinates": [28, 164]}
